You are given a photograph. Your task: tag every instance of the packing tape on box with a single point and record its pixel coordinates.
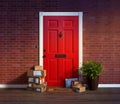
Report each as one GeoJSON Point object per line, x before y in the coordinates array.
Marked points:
{"type": "Point", "coordinates": [37, 73]}
{"type": "Point", "coordinates": [30, 79]}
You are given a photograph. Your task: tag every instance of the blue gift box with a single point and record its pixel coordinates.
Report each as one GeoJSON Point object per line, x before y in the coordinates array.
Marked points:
{"type": "Point", "coordinates": [68, 82]}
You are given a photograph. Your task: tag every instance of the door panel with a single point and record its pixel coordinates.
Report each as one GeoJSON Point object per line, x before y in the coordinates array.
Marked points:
{"type": "Point", "coordinates": [52, 40]}
{"type": "Point", "coordinates": [61, 48]}
{"type": "Point", "coordinates": [67, 23]}
{"type": "Point", "coordinates": [68, 40]}
{"type": "Point", "coordinates": [53, 23]}
{"type": "Point", "coordinates": [68, 68]}
{"type": "Point", "coordinates": [52, 69]}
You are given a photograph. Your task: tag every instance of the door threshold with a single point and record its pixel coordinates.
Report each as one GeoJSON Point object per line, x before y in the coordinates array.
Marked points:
{"type": "Point", "coordinates": [58, 89]}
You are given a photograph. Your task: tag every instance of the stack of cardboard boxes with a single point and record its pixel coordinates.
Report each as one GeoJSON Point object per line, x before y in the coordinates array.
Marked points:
{"type": "Point", "coordinates": [36, 79]}
{"type": "Point", "coordinates": [78, 86]}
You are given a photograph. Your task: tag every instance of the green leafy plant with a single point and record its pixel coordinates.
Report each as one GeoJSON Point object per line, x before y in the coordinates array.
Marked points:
{"type": "Point", "coordinates": [91, 69]}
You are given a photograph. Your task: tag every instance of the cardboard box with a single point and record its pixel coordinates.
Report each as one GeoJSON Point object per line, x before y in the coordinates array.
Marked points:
{"type": "Point", "coordinates": [36, 73]}
{"type": "Point", "coordinates": [75, 83]}
{"type": "Point", "coordinates": [39, 73]}
{"type": "Point", "coordinates": [38, 67]}
{"type": "Point", "coordinates": [68, 82]}
{"type": "Point", "coordinates": [39, 80]}
{"type": "Point", "coordinates": [40, 89]}
{"type": "Point", "coordinates": [78, 85]}
{"type": "Point", "coordinates": [81, 89]}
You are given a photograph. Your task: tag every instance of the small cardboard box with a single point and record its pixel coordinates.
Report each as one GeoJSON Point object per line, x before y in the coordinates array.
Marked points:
{"type": "Point", "coordinates": [39, 80]}
{"type": "Point", "coordinates": [75, 83]}
{"type": "Point", "coordinates": [38, 67]}
{"type": "Point", "coordinates": [41, 73]}
{"type": "Point", "coordinates": [78, 85]}
{"type": "Point", "coordinates": [68, 82]}
{"type": "Point", "coordinates": [40, 89]}
{"type": "Point", "coordinates": [36, 73]}
{"type": "Point", "coordinates": [81, 89]}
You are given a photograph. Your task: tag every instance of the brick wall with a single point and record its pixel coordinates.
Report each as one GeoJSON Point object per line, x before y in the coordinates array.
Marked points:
{"type": "Point", "coordinates": [102, 37]}
{"type": "Point", "coordinates": [19, 35]}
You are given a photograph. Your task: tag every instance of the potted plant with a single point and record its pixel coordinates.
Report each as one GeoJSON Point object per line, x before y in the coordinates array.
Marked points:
{"type": "Point", "coordinates": [92, 70]}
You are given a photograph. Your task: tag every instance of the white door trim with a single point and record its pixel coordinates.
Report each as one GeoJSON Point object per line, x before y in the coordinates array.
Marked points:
{"type": "Point", "coordinates": [80, 26]}
{"type": "Point", "coordinates": [13, 85]}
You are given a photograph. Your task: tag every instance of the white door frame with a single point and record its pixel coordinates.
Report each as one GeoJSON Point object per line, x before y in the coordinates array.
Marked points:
{"type": "Point", "coordinates": [80, 26]}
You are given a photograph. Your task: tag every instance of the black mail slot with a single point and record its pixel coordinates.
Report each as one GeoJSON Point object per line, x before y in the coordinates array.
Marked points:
{"type": "Point", "coordinates": [60, 55]}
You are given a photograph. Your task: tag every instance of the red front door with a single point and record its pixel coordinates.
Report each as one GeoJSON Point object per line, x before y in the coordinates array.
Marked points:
{"type": "Point", "coordinates": [60, 48]}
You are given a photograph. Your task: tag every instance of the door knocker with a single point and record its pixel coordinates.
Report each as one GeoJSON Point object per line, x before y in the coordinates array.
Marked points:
{"type": "Point", "coordinates": [60, 34]}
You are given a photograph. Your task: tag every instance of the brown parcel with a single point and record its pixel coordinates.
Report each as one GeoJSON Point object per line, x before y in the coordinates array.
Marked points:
{"type": "Point", "coordinates": [78, 85]}
{"type": "Point", "coordinates": [40, 73]}
{"type": "Point", "coordinates": [38, 67]}
{"type": "Point", "coordinates": [81, 89]}
{"type": "Point", "coordinates": [76, 82]}
{"type": "Point", "coordinates": [40, 89]}
{"type": "Point", "coordinates": [31, 73]}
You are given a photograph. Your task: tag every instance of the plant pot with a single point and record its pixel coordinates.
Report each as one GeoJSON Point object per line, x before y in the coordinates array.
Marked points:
{"type": "Point", "coordinates": [93, 83]}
